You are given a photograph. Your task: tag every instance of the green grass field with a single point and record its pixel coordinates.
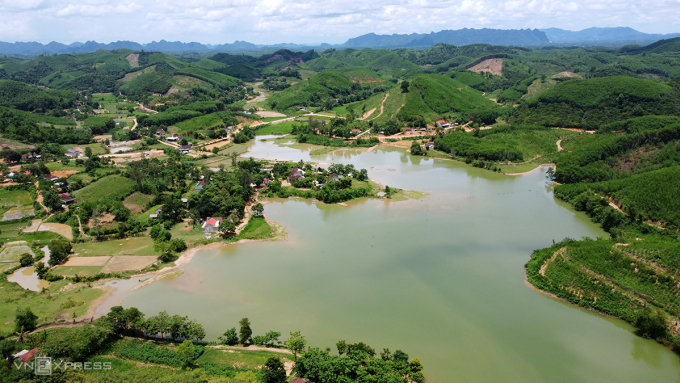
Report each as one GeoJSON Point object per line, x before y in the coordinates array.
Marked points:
{"type": "Point", "coordinates": [128, 246]}
{"type": "Point", "coordinates": [282, 128]}
{"type": "Point", "coordinates": [114, 187]}
{"type": "Point", "coordinates": [15, 198]}
{"type": "Point", "coordinates": [257, 228]}
{"type": "Point", "coordinates": [48, 307]}
{"type": "Point", "coordinates": [83, 271]}
{"type": "Point", "coordinates": [241, 358]}
{"type": "Point", "coordinates": [137, 202]}
{"type": "Point", "coordinates": [201, 122]}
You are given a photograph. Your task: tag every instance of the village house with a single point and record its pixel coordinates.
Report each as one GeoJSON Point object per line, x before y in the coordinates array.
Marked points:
{"type": "Point", "coordinates": [429, 145]}
{"type": "Point", "coordinates": [266, 181]}
{"type": "Point", "coordinates": [172, 138]}
{"type": "Point", "coordinates": [355, 132]}
{"type": "Point", "coordinates": [296, 175]}
{"type": "Point", "coordinates": [267, 169]}
{"type": "Point", "coordinates": [29, 156]}
{"type": "Point", "coordinates": [67, 198]}
{"type": "Point", "coordinates": [184, 149]}
{"type": "Point", "coordinates": [211, 225]}
{"type": "Point", "coordinates": [50, 177]}
{"type": "Point", "coordinates": [334, 177]}
{"type": "Point", "coordinates": [156, 214]}
{"type": "Point", "coordinates": [199, 186]}
{"type": "Point", "coordinates": [72, 153]}
{"type": "Point", "coordinates": [443, 124]}
{"type": "Point", "coordinates": [160, 132]}
{"type": "Point", "coordinates": [25, 356]}
{"type": "Point", "coordinates": [300, 107]}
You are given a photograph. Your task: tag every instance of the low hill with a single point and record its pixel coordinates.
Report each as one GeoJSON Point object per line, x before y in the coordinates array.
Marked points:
{"type": "Point", "coordinates": [347, 85]}
{"type": "Point", "coordinates": [648, 196]}
{"type": "Point", "coordinates": [661, 46]}
{"type": "Point", "coordinates": [594, 102]}
{"type": "Point", "coordinates": [382, 61]}
{"type": "Point", "coordinates": [18, 95]}
{"type": "Point", "coordinates": [432, 96]}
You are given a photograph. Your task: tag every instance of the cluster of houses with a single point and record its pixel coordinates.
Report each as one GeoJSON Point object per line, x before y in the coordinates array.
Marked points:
{"type": "Point", "coordinates": [29, 156]}
{"type": "Point", "coordinates": [299, 174]}
{"type": "Point", "coordinates": [73, 153]}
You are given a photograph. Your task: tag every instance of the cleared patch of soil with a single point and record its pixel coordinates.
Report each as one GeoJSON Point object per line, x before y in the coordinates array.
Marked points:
{"type": "Point", "coordinates": [34, 226]}
{"type": "Point", "coordinates": [493, 66]}
{"type": "Point", "coordinates": [128, 262]}
{"type": "Point", "coordinates": [105, 218]}
{"type": "Point", "coordinates": [63, 173]}
{"type": "Point", "coordinates": [566, 75]}
{"type": "Point", "coordinates": [268, 113]}
{"type": "Point", "coordinates": [87, 261]}
{"type": "Point", "coordinates": [59, 228]}
{"type": "Point", "coordinates": [133, 59]}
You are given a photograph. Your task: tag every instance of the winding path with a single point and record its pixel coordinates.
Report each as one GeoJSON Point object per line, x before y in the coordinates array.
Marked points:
{"type": "Point", "coordinates": [382, 107]}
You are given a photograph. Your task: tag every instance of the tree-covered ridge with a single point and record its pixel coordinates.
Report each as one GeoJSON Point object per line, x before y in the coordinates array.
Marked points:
{"type": "Point", "coordinates": [591, 103]}
{"type": "Point", "coordinates": [327, 85]}
{"type": "Point", "coordinates": [19, 95]}
{"type": "Point", "coordinates": [649, 196]}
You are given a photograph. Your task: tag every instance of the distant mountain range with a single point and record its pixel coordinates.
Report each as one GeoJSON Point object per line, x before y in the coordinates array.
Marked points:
{"type": "Point", "coordinates": [465, 36]}
{"type": "Point", "coordinates": [604, 35]}
{"type": "Point", "coordinates": [517, 37]}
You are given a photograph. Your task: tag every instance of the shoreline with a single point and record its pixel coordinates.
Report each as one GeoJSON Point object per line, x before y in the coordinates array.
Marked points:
{"type": "Point", "coordinates": [530, 171]}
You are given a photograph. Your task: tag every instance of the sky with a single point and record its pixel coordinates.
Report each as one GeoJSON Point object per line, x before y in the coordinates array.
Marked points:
{"type": "Point", "coordinates": [300, 21]}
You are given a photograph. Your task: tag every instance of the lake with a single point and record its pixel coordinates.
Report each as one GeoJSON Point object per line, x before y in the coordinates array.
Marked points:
{"type": "Point", "coordinates": [441, 278]}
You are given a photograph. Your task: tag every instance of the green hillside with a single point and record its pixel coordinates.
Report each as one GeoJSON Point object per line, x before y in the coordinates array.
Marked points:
{"type": "Point", "coordinates": [347, 86]}
{"type": "Point", "coordinates": [382, 61]}
{"type": "Point", "coordinates": [215, 78]}
{"type": "Point", "coordinates": [648, 196]}
{"type": "Point", "coordinates": [26, 97]}
{"type": "Point", "coordinates": [433, 96]}
{"type": "Point", "coordinates": [594, 102]}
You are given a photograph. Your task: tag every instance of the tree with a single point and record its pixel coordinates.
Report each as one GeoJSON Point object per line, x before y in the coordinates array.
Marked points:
{"type": "Point", "coordinates": [245, 332]}
{"type": "Point", "coordinates": [416, 149]}
{"type": "Point", "coordinates": [6, 349]}
{"type": "Point", "coordinates": [59, 250]}
{"type": "Point", "coordinates": [296, 343]}
{"type": "Point", "coordinates": [227, 227]}
{"type": "Point", "coordinates": [88, 152]}
{"type": "Point", "coordinates": [186, 349]}
{"type": "Point", "coordinates": [52, 200]}
{"type": "Point", "coordinates": [230, 337]}
{"type": "Point", "coordinates": [404, 86]}
{"type": "Point", "coordinates": [273, 371]}
{"type": "Point", "coordinates": [25, 260]}
{"type": "Point", "coordinates": [25, 320]}
{"type": "Point", "coordinates": [258, 209]}
{"type": "Point", "coordinates": [650, 324]}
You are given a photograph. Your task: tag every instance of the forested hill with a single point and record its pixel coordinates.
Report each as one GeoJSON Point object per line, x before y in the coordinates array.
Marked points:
{"type": "Point", "coordinates": [465, 36]}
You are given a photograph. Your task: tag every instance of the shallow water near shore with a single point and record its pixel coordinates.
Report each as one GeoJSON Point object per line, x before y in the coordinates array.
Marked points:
{"type": "Point", "coordinates": [441, 278]}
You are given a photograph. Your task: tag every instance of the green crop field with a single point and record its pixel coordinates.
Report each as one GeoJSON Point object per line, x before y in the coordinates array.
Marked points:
{"type": "Point", "coordinates": [110, 187]}
{"type": "Point", "coordinates": [128, 246]}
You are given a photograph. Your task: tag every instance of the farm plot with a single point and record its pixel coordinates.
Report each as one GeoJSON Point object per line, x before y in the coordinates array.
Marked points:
{"type": "Point", "coordinates": [59, 228]}
{"type": "Point", "coordinates": [112, 187]}
{"type": "Point", "coordinates": [128, 262]}
{"type": "Point", "coordinates": [15, 204]}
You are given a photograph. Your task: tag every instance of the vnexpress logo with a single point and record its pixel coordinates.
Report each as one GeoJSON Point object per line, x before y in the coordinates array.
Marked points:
{"type": "Point", "coordinates": [43, 365]}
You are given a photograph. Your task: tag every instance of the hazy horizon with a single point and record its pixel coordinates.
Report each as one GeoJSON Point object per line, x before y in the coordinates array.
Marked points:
{"type": "Point", "coordinates": [304, 22]}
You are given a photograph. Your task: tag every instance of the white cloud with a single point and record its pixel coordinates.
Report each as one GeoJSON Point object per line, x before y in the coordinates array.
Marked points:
{"type": "Point", "coordinates": [307, 21]}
